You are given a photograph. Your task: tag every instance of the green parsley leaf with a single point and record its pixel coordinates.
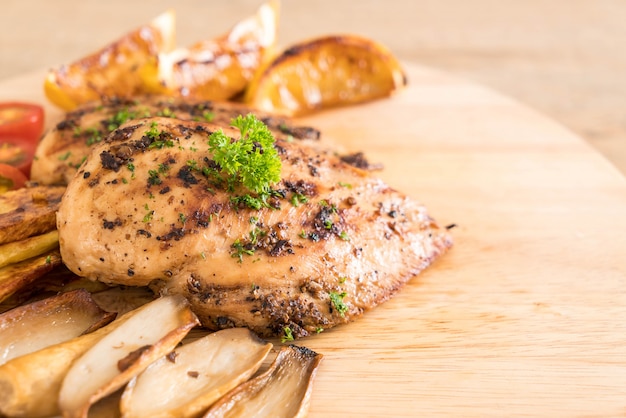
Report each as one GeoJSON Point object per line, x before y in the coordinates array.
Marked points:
{"type": "Point", "coordinates": [287, 336]}
{"type": "Point", "coordinates": [251, 160]}
{"type": "Point", "coordinates": [336, 299]}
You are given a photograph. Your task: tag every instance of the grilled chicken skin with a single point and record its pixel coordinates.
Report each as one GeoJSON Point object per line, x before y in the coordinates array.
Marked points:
{"type": "Point", "coordinates": [333, 242]}
{"type": "Point", "coordinates": [64, 147]}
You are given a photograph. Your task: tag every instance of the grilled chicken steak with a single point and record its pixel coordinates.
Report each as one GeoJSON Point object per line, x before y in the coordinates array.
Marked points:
{"type": "Point", "coordinates": [63, 149]}
{"type": "Point", "coordinates": [331, 241]}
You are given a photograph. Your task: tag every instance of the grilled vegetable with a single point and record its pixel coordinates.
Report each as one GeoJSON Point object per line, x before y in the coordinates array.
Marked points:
{"type": "Point", "coordinates": [192, 377]}
{"type": "Point", "coordinates": [47, 322]}
{"type": "Point", "coordinates": [284, 390]}
{"type": "Point", "coordinates": [141, 337]}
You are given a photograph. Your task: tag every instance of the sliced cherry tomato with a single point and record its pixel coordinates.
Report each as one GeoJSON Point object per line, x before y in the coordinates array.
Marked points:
{"type": "Point", "coordinates": [11, 178]}
{"type": "Point", "coordinates": [21, 125]}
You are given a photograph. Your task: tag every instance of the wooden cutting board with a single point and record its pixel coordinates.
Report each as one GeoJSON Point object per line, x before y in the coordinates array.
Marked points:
{"type": "Point", "coordinates": [526, 315]}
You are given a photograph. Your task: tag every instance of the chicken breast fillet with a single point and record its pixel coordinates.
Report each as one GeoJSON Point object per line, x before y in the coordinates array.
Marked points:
{"type": "Point", "coordinates": [333, 241]}
{"type": "Point", "coordinates": [63, 149]}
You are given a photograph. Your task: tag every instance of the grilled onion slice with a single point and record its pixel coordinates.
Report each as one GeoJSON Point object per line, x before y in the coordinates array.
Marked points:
{"type": "Point", "coordinates": [284, 390]}
{"type": "Point", "coordinates": [144, 335]}
{"type": "Point", "coordinates": [195, 375]}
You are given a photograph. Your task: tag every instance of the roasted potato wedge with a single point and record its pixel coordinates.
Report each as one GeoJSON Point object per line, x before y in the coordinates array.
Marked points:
{"type": "Point", "coordinates": [19, 275]}
{"type": "Point", "coordinates": [30, 384]}
{"type": "Point", "coordinates": [284, 390]}
{"type": "Point", "coordinates": [17, 251]}
{"type": "Point", "coordinates": [191, 378]}
{"type": "Point", "coordinates": [220, 68]}
{"type": "Point", "coordinates": [325, 72]}
{"type": "Point", "coordinates": [141, 337]}
{"type": "Point", "coordinates": [28, 211]}
{"type": "Point", "coordinates": [49, 321]}
{"type": "Point", "coordinates": [112, 70]}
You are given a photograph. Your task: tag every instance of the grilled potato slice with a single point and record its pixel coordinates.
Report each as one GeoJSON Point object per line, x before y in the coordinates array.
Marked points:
{"type": "Point", "coordinates": [17, 251]}
{"type": "Point", "coordinates": [19, 275]}
{"type": "Point", "coordinates": [28, 211]}
{"type": "Point", "coordinates": [112, 70]}
{"type": "Point", "coordinates": [220, 68]}
{"type": "Point", "coordinates": [325, 72]}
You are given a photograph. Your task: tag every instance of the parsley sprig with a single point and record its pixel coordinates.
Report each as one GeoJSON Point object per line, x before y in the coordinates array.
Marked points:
{"type": "Point", "coordinates": [252, 160]}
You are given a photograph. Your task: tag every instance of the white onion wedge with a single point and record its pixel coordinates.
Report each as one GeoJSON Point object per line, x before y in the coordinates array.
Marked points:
{"type": "Point", "coordinates": [284, 390]}
{"type": "Point", "coordinates": [145, 334]}
{"type": "Point", "coordinates": [30, 384]}
{"type": "Point", "coordinates": [188, 380]}
{"type": "Point", "coordinates": [47, 322]}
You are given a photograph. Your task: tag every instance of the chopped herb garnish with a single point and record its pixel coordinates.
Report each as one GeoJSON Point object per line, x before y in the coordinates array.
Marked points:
{"type": "Point", "coordinates": [344, 236]}
{"type": "Point", "coordinates": [148, 217]}
{"type": "Point", "coordinates": [48, 259]}
{"type": "Point", "coordinates": [303, 234]}
{"type": "Point", "coordinates": [239, 250]}
{"type": "Point", "coordinates": [94, 136]}
{"type": "Point", "coordinates": [153, 132]}
{"type": "Point", "coordinates": [346, 185]}
{"type": "Point", "coordinates": [336, 299]}
{"type": "Point", "coordinates": [319, 329]}
{"type": "Point", "coordinates": [298, 198]}
{"type": "Point", "coordinates": [153, 177]}
{"type": "Point", "coordinates": [250, 201]}
{"type": "Point", "coordinates": [287, 335]}
{"type": "Point", "coordinates": [208, 116]}
{"type": "Point", "coordinates": [119, 118]}
{"type": "Point", "coordinates": [182, 218]}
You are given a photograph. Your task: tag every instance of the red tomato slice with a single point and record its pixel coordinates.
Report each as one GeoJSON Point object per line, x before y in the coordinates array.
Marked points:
{"type": "Point", "coordinates": [11, 178]}
{"type": "Point", "coordinates": [21, 125]}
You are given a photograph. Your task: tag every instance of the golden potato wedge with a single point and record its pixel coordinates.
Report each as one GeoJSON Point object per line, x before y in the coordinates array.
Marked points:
{"type": "Point", "coordinates": [195, 375]}
{"type": "Point", "coordinates": [325, 72]}
{"type": "Point", "coordinates": [49, 321]}
{"type": "Point", "coordinates": [19, 275]}
{"type": "Point", "coordinates": [112, 70]}
{"type": "Point", "coordinates": [28, 211]}
{"type": "Point", "coordinates": [30, 384]}
{"type": "Point", "coordinates": [284, 390]}
{"type": "Point", "coordinates": [17, 251]}
{"type": "Point", "coordinates": [144, 335]}
{"type": "Point", "coordinates": [220, 68]}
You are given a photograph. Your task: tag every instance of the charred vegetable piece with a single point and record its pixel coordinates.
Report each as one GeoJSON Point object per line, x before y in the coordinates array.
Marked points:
{"type": "Point", "coordinates": [284, 390]}
{"type": "Point", "coordinates": [47, 322]}
{"type": "Point", "coordinates": [144, 335]}
{"type": "Point", "coordinates": [191, 378]}
{"type": "Point", "coordinates": [19, 275]}
{"type": "Point", "coordinates": [30, 384]}
{"type": "Point", "coordinates": [28, 211]}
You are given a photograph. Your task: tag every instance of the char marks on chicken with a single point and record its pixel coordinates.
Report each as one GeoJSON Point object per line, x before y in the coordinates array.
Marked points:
{"type": "Point", "coordinates": [328, 242]}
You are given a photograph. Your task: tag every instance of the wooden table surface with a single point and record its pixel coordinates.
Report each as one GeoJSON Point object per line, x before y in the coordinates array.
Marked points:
{"type": "Point", "coordinates": [526, 315]}
{"type": "Point", "coordinates": [565, 58]}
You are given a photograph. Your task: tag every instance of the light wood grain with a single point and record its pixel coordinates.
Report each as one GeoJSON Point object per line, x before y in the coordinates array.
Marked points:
{"type": "Point", "coordinates": [526, 315]}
